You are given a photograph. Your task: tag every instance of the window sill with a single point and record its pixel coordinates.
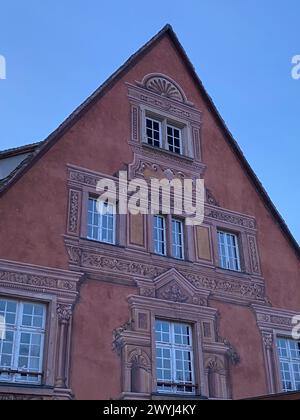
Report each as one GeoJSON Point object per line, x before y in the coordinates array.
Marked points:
{"type": "Point", "coordinates": [235, 273]}
{"type": "Point", "coordinates": [10, 391]}
{"type": "Point", "coordinates": [166, 396]}
{"type": "Point", "coordinates": [167, 152]}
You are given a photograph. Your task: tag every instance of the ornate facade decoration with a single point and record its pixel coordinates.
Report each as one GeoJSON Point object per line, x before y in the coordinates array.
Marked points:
{"type": "Point", "coordinates": [174, 293]}
{"type": "Point", "coordinates": [233, 219]}
{"type": "Point", "coordinates": [272, 323]}
{"type": "Point", "coordinates": [210, 199]}
{"type": "Point", "coordinates": [254, 255]}
{"type": "Point", "coordinates": [164, 86]}
{"type": "Point", "coordinates": [37, 279]}
{"type": "Point", "coordinates": [159, 164]}
{"type": "Point", "coordinates": [74, 212]}
{"type": "Point", "coordinates": [64, 312]}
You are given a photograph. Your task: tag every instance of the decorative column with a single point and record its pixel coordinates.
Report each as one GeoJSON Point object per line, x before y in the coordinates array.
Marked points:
{"type": "Point", "coordinates": [268, 343]}
{"type": "Point", "coordinates": [64, 313]}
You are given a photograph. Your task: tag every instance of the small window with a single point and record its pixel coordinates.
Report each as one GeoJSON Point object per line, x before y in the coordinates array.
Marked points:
{"type": "Point", "coordinates": [174, 139]}
{"type": "Point", "coordinates": [174, 358]}
{"type": "Point", "coordinates": [161, 133]}
{"type": "Point", "coordinates": [289, 357]}
{"type": "Point", "coordinates": [229, 251]}
{"type": "Point", "coordinates": [101, 221]}
{"type": "Point", "coordinates": [22, 341]}
{"type": "Point", "coordinates": [160, 247]}
{"type": "Point", "coordinates": [153, 132]}
{"type": "Point", "coordinates": [177, 239]}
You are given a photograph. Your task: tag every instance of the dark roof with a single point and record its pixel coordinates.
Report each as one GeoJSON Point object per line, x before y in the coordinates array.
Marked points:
{"type": "Point", "coordinates": [44, 146]}
{"type": "Point", "coordinates": [22, 150]}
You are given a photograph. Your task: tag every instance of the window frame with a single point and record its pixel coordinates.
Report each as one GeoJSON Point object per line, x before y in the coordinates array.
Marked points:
{"type": "Point", "coordinates": [172, 346]}
{"type": "Point", "coordinates": [288, 360]}
{"type": "Point", "coordinates": [100, 226]}
{"type": "Point", "coordinates": [182, 234]}
{"type": "Point", "coordinates": [165, 122]}
{"type": "Point", "coordinates": [173, 127]}
{"type": "Point", "coordinates": [164, 230]}
{"type": "Point", "coordinates": [227, 256]}
{"type": "Point", "coordinates": [18, 329]}
{"type": "Point", "coordinates": [159, 122]}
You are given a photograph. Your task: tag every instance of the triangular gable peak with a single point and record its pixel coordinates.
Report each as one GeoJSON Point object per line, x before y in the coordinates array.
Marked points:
{"type": "Point", "coordinates": [111, 81]}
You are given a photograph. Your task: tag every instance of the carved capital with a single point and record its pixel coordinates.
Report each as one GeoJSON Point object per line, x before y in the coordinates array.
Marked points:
{"type": "Point", "coordinates": [64, 312]}
{"type": "Point", "coordinates": [268, 340]}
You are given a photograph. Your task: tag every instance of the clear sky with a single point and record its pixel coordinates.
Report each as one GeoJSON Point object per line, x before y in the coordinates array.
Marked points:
{"type": "Point", "coordinates": [58, 52]}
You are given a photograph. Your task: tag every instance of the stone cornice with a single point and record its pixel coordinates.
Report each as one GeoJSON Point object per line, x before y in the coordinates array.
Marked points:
{"type": "Point", "coordinates": [273, 318]}
{"type": "Point", "coordinates": [39, 279]}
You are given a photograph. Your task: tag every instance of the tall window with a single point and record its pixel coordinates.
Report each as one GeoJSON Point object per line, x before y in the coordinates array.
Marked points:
{"type": "Point", "coordinates": [21, 341]}
{"type": "Point", "coordinates": [160, 245]}
{"type": "Point", "coordinates": [229, 251]}
{"type": "Point", "coordinates": [101, 221]}
{"type": "Point", "coordinates": [153, 131]}
{"type": "Point", "coordinates": [174, 139]}
{"type": "Point", "coordinates": [174, 357]}
{"type": "Point", "coordinates": [177, 238]}
{"type": "Point", "coordinates": [289, 356]}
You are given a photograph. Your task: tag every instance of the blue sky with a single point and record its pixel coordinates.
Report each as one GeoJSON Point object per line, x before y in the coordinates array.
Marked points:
{"type": "Point", "coordinates": [58, 52]}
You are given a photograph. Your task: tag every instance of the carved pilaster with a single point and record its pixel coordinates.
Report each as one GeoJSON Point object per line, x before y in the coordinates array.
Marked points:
{"type": "Point", "coordinates": [268, 346]}
{"type": "Point", "coordinates": [74, 212]}
{"type": "Point", "coordinates": [64, 315]}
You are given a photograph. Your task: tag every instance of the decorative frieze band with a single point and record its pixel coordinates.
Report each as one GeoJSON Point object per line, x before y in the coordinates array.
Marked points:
{"type": "Point", "coordinates": [274, 319]}
{"type": "Point", "coordinates": [231, 288]}
{"type": "Point", "coordinates": [38, 279]}
{"type": "Point", "coordinates": [229, 217]}
{"type": "Point", "coordinates": [239, 288]}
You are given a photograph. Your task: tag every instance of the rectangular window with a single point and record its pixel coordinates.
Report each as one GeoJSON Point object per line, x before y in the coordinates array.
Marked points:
{"type": "Point", "coordinates": [21, 341]}
{"type": "Point", "coordinates": [101, 221]}
{"type": "Point", "coordinates": [289, 357]}
{"type": "Point", "coordinates": [177, 239]}
{"type": "Point", "coordinates": [153, 132]}
{"type": "Point", "coordinates": [174, 139]}
{"type": "Point", "coordinates": [229, 251]}
{"type": "Point", "coordinates": [160, 246]}
{"type": "Point", "coordinates": [174, 357]}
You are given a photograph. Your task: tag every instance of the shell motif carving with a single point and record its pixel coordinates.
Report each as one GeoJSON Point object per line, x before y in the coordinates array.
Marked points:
{"type": "Point", "coordinates": [164, 87]}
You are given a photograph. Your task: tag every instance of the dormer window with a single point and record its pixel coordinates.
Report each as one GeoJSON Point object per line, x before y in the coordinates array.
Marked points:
{"type": "Point", "coordinates": [164, 134]}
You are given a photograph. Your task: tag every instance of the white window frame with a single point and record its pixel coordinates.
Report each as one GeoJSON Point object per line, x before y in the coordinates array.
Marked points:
{"type": "Point", "coordinates": [164, 230]}
{"type": "Point", "coordinates": [179, 238]}
{"type": "Point", "coordinates": [99, 208]}
{"type": "Point", "coordinates": [173, 127]}
{"type": "Point", "coordinates": [290, 363]}
{"type": "Point", "coordinates": [153, 120]}
{"type": "Point", "coordinates": [15, 374]}
{"type": "Point", "coordinates": [175, 386]}
{"type": "Point", "coordinates": [164, 122]}
{"type": "Point", "coordinates": [227, 258]}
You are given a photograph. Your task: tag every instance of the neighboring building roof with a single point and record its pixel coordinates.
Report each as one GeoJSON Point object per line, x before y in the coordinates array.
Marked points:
{"type": "Point", "coordinates": [22, 150]}
{"type": "Point", "coordinates": [71, 120]}
{"type": "Point", "coordinates": [12, 160]}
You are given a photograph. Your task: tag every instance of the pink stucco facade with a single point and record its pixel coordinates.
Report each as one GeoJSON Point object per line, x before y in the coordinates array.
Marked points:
{"type": "Point", "coordinates": [104, 298]}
